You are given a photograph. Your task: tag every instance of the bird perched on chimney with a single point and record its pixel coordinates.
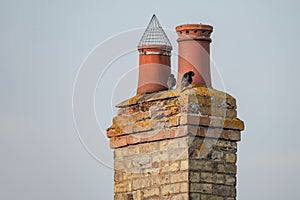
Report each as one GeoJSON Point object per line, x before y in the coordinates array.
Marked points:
{"type": "Point", "coordinates": [187, 79]}
{"type": "Point", "coordinates": [171, 81]}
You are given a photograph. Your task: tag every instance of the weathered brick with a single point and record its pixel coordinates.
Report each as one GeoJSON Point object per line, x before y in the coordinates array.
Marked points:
{"type": "Point", "coordinates": [178, 154]}
{"type": "Point", "coordinates": [124, 186]}
{"type": "Point", "coordinates": [122, 111]}
{"type": "Point", "coordinates": [160, 156]}
{"type": "Point", "coordinates": [179, 177]}
{"type": "Point", "coordinates": [148, 147]}
{"type": "Point", "coordinates": [126, 151]}
{"type": "Point", "coordinates": [128, 163]}
{"type": "Point", "coordinates": [206, 177]}
{"type": "Point", "coordinates": [201, 165]}
{"type": "Point", "coordinates": [140, 183]}
{"type": "Point", "coordinates": [183, 142]}
{"type": "Point", "coordinates": [122, 119]}
{"type": "Point", "coordinates": [133, 174]}
{"type": "Point", "coordinates": [179, 197]}
{"type": "Point", "coordinates": [234, 135]}
{"type": "Point", "coordinates": [218, 178]}
{"type": "Point", "coordinates": [213, 132]}
{"type": "Point", "coordinates": [201, 187]}
{"type": "Point", "coordinates": [197, 130]}
{"type": "Point", "coordinates": [118, 142]}
{"type": "Point", "coordinates": [170, 168]}
{"type": "Point", "coordinates": [204, 149]}
{"type": "Point", "coordinates": [149, 192]}
{"type": "Point", "coordinates": [210, 197]}
{"type": "Point", "coordinates": [136, 195]}
{"type": "Point", "coordinates": [184, 165]}
{"type": "Point", "coordinates": [170, 189]}
{"type": "Point", "coordinates": [168, 144]}
{"type": "Point", "coordinates": [228, 146]}
{"type": "Point", "coordinates": [118, 153]}
{"type": "Point", "coordinates": [118, 175]}
{"type": "Point", "coordinates": [175, 120]}
{"type": "Point", "coordinates": [159, 125]}
{"type": "Point", "coordinates": [140, 161]}
{"type": "Point", "coordinates": [230, 180]}
{"type": "Point", "coordinates": [123, 129]}
{"type": "Point", "coordinates": [220, 168]}
{"type": "Point", "coordinates": [121, 196]}
{"type": "Point", "coordinates": [142, 126]}
{"type": "Point", "coordinates": [139, 116]}
{"type": "Point", "coordinates": [151, 198]}
{"type": "Point", "coordinates": [119, 165]}
{"type": "Point", "coordinates": [184, 187]}
{"type": "Point", "coordinates": [194, 120]}
{"type": "Point", "coordinates": [230, 157]}
{"type": "Point", "coordinates": [230, 168]}
{"type": "Point", "coordinates": [157, 181]}
{"type": "Point", "coordinates": [194, 176]}
{"type": "Point", "coordinates": [177, 132]}
{"type": "Point", "coordinates": [195, 142]}
{"type": "Point", "coordinates": [174, 143]}
{"type": "Point", "coordinates": [218, 111]}
{"type": "Point", "coordinates": [129, 196]}
{"type": "Point", "coordinates": [222, 190]}
{"type": "Point", "coordinates": [231, 113]}
{"type": "Point", "coordinates": [234, 124]}
{"type": "Point", "coordinates": [217, 156]}
{"type": "Point", "coordinates": [133, 139]}
{"type": "Point", "coordinates": [194, 196]}
{"type": "Point", "coordinates": [212, 178]}
{"type": "Point", "coordinates": [110, 132]}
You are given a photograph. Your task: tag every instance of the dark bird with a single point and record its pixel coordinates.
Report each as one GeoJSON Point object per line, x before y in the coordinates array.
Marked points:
{"type": "Point", "coordinates": [171, 81]}
{"type": "Point", "coordinates": [187, 79]}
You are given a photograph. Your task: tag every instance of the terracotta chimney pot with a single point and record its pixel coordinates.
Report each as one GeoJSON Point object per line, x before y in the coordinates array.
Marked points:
{"type": "Point", "coordinates": [193, 52]}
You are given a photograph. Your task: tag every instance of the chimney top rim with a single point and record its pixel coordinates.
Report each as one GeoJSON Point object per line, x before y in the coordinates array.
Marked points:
{"type": "Point", "coordinates": [194, 27]}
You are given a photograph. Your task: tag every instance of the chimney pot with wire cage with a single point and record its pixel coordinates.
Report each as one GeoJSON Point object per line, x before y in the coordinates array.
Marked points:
{"type": "Point", "coordinates": [154, 59]}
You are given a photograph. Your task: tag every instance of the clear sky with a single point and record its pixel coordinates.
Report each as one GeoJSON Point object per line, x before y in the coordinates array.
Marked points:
{"type": "Point", "coordinates": [43, 44]}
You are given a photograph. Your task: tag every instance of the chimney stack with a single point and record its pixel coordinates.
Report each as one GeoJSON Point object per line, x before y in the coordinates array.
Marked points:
{"type": "Point", "coordinates": [154, 60]}
{"type": "Point", "coordinates": [193, 52]}
{"type": "Point", "coordinates": [177, 144]}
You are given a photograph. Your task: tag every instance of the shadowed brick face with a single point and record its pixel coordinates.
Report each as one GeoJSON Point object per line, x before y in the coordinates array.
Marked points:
{"type": "Point", "coordinates": [176, 145]}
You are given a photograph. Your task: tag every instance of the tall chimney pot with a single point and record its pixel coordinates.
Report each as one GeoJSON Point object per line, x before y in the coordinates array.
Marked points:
{"type": "Point", "coordinates": [194, 53]}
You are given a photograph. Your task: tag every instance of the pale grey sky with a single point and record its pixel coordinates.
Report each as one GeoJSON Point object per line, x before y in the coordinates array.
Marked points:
{"type": "Point", "coordinates": [43, 44]}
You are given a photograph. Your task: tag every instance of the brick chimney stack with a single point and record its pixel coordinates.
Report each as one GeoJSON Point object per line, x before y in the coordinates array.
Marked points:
{"type": "Point", "coordinates": [177, 144]}
{"type": "Point", "coordinates": [154, 60]}
{"type": "Point", "coordinates": [194, 52]}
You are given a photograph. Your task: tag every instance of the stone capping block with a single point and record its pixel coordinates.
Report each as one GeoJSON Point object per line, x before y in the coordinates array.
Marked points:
{"type": "Point", "coordinates": [192, 91]}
